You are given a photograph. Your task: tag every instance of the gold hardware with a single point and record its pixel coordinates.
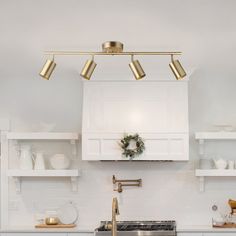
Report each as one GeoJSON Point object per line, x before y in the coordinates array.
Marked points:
{"type": "Point", "coordinates": [177, 69]}
{"type": "Point", "coordinates": [115, 211]}
{"type": "Point", "coordinates": [120, 185]}
{"type": "Point", "coordinates": [79, 53]}
{"type": "Point", "coordinates": [119, 188]}
{"type": "Point", "coordinates": [136, 69]}
{"type": "Point", "coordinates": [114, 180]}
{"type": "Point", "coordinates": [112, 46]}
{"type": "Point", "coordinates": [47, 69]}
{"type": "Point", "coordinates": [88, 69]}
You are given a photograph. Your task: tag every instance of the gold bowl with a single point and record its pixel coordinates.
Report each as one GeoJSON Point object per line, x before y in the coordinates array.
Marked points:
{"type": "Point", "coordinates": [52, 221]}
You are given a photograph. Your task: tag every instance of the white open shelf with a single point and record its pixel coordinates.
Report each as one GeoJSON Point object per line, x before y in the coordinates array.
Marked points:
{"type": "Point", "coordinates": [213, 173]}
{"type": "Point", "coordinates": [215, 135]}
{"type": "Point", "coordinates": [72, 137]}
{"type": "Point", "coordinates": [42, 136]}
{"type": "Point", "coordinates": [42, 173]}
{"type": "Point", "coordinates": [17, 174]}
{"type": "Point", "coordinates": [202, 137]}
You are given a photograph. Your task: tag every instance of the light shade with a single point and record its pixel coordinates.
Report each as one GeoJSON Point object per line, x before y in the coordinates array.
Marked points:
{"type": "Point", "coordinates": [47, 69]}
{"type": "Point", "coordinates": [137, 69]}
{"type": "Point", "coordinates": [177, 69]}
{"type": "Point", "coordinates": [88, 69]}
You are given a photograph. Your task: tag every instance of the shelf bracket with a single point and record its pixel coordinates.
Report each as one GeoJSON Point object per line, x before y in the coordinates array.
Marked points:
{"type": "Point", "coordinates": [74, 183]}
{"type": "Point", "coordinates": [202, 184]}
{"type": "Point", "coordinates": [17, 181]}
{"type": "Point", "coordinates": [73, 147]}
{"type": "Point", "coordinates": [201, 147]}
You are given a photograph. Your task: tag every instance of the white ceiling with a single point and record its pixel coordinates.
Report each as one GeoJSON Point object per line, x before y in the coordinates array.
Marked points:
{"type": "Point", "coordinates": [204, 30]}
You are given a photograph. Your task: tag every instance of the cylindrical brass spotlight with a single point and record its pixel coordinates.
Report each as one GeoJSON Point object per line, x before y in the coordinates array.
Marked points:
{"type": "Point", "coordinates": [177, 69]}
{"type": "Point", "coordinates": [48, 68]}
{"type": "Point", "coordinates": [88, 69]}
{"type": "Point", "coordinates": [137, 69]}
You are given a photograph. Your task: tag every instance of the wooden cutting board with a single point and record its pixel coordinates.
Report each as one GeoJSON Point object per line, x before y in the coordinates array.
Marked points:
{"type": "Point", "coordinates": [55, 226]}
{"type": "Point", "coordinates": [226, 225]}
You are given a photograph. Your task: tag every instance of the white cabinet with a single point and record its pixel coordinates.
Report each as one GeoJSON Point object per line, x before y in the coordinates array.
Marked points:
{"type": "Point", "coordinates": [33, 234]}
{"type": "Point", "coordinates": [46, 234]}
{"type": "Point", "coordinates": [207, 234]}
{"type": "Point", "coordinates": [80, 234]}
{"type": "Point", "coordinates": [158, 111]}
{"type": "Point", "coordinates": [220, 234]}
{"type": "Point", "coordinates": [189, 234]}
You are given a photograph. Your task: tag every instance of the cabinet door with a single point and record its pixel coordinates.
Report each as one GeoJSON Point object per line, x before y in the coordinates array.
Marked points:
{"type": "Point", "coordinates": [80, 234]}
{"type": "Point", "coordinates": [33, 234]}
{"type": "Point", "coordinates": [220, 234]}
{"type": "Point", "coordinates": [189, 234]}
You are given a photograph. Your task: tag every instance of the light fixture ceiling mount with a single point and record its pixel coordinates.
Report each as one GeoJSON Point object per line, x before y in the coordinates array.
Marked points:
{"type": "Point", "coordinates": [112, 47]}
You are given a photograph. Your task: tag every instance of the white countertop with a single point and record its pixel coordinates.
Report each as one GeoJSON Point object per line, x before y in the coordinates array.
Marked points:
{"type": "Point", "coordinates": [202, 228]}
{"type": "Point", "coordinates": [180, 228]}
{"type": "Point", "coordinates": [46, 230]}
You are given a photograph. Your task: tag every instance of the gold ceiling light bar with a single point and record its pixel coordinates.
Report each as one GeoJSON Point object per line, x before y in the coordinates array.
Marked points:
{"type": "Point", "coordinates": [78, 53]}
{"type": "Point", "coordinates": [113, 48]}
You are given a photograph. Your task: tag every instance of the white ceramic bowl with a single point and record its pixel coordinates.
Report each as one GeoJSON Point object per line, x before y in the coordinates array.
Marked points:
{"type": "Point", "coordinates": [59, 162]}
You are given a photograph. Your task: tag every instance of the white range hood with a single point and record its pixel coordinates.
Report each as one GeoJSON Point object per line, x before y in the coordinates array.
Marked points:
{"type": "Point", "coordinates": [156, 110]}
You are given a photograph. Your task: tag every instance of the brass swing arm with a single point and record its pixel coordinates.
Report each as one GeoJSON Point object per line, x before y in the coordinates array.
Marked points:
{"type": "Point", "coordinates": [127, 183]}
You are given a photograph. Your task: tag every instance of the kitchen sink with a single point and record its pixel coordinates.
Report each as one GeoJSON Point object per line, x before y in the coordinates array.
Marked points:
{"type": "Point", "coordinates": [139, 228]}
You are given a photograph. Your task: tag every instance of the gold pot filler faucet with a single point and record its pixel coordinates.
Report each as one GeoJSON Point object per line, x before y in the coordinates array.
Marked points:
{"type": "Point", "coordinates": [115, 208]}
{"type": "Point", "coordinates": [115, 211]}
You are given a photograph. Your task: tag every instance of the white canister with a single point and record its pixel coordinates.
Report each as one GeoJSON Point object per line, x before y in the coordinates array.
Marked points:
{"type": "Point", "coordinates": [39, 163]}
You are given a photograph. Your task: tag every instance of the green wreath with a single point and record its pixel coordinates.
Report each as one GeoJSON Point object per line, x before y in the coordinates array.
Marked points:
{"type": "Point", "coordinates": [125, 143]}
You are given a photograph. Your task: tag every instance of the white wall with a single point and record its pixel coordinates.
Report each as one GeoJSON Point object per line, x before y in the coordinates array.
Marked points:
{"type": "Point", "coordinates": [203, 30]}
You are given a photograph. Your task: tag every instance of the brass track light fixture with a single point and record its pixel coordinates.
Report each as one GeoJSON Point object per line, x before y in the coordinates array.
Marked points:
{"type": "Point", "coordinates": [177, 69]}
{"type": "Point", "coordinates": [136, 68]}
{"type": "Point", "coordinates": [112, 48]}
{"type": "Point", "coordinates": [47, 69]}
{"type": "Point", "coordinates": [88, 69]}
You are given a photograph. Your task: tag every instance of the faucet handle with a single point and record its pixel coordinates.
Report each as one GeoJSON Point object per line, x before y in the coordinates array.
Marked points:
{"type": "Point", "coordinates": [116, 206]}
{"type": "Point", "coordinates": [117, 210]}
{"type": "Point", "coordinates": [119, 189]}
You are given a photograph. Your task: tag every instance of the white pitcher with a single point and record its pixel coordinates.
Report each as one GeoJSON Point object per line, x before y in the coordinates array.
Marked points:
{"type": "Point", "coordinates": [220, 163]}
{"type": "Point", "coordinates": [39, 163]}
{"type": "Point", "coordinates": [26, 158]}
